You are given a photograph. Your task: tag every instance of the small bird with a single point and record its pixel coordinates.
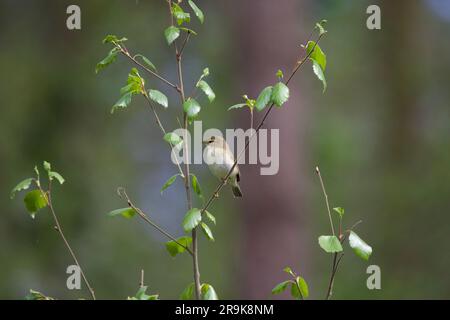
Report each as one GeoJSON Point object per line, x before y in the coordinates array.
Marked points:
{"type": "Point", "coordinates": [220, 160]}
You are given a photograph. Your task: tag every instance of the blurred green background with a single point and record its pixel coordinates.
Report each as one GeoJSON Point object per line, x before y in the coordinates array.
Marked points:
{"type": "Point", "coordinates": [380, 133]}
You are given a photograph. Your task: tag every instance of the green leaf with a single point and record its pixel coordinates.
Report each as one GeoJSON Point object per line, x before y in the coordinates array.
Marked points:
{"type": "Point", "coordinates": [362, 249]}
{"type": "Point", "coordinates": [295, 293]}
{"type": "Point", "coordinates": [52, 174]}
{"type": "Point", "coordinates": [55, 175]}
{"type": "Point", "coordinates": [207, 231]}
{"type": "Point", "coordinates": [197, 11]}
{"type": "Point", "coordinates": [113, 39]}
{"type": "Point", "coordinates": [171, 34]}
{"type": "Point", "coordinates": [317, 55]}
{"type": "Point", "coordinates": [36, 170]}
{"type": "Point", "coordinates": [34, 201]}
{"type": "Point", "coordinates": [264, 98]}
{"type": "Point", "coordinates": [142, 295]}
{"type": "Point", "coordinates": [169, 182]}
{"type": "Point", "coordinates": [301, 283]}
{"type": "Point", "coordinates": [172, 138]}
{"type": "Point", "coordinates": [174, 248]}
{"type": "Point", "coordinates": [135, 84]}
{"type": "Point", "coordinates": [191, 107]}
{"type": "Point", "coordinates": [279, 288]}
{"type": "Point", "coordinates": [132, 88]}
{"type": "Point", "coordinates": [320, 75]}
{"type": "Point", "coordinates": [124, 212]}
{"type": "Point", "coordinates": [250, 102]}
{"type": "Point", "coordinates": [36, 295]}
{"type": "Point", "coordinates": [205, 73]}
{"type": "Point", "coordinates": [188, 30]}
{"type": "Point", "coordinates": [204, 86]}
{"type": "Point", "coordinates": [320, 26]}
{"type": "Point", "coordinates": [279, 74]}
{"type": "Point", "coordinates": [289, 271]}
{"type": "Point", "coordinates": [237, 106]}
{"type": "Point", "coordinates": [180, 15]}
{"type": "Point", "coordinates": [208, 292]}
{"type": "Point", "coordinates": [123, 102]}
{"type": "Point", "coordinates": [340, 211]}
{"type": "Point", "coordinates": [280, 94]}
{"type": "Point", "coordinates": [210, 216]}
{"type": "Point", "coordinates": [147, 61]}
{"type": "Point", "coordinates": [22, 185]}
{"type": "Point", "coordinates": [188, 292]}
{"type": "Point", "coordinates": [110, 58]}
{"type": "Point", "coordinates": [330, 244]}
{"type": "Point", "coordinates": [196, 186]}
{"type": "Point", "coordinates": [158, 97]}
{"type": "Point", "coordinates": [192, 219]}
{"type": "Point", "coordinates": [47, 166]}
{"type": "Point", "coordinates": [319, 61]}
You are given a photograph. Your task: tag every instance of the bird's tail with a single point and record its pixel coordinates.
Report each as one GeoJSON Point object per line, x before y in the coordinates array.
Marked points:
{"type": "Point", "coordinates": [237, 193]}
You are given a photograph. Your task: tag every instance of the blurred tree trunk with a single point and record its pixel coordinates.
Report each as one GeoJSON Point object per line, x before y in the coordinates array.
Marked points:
{"type": "Point", "coordinates": [401, 77]}
{"type": "Point", "coordinates": [269, 36]}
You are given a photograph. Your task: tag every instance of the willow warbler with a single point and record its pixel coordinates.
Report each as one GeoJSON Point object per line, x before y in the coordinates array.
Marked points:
{"type": "Point", "coordinates": [220, 160]}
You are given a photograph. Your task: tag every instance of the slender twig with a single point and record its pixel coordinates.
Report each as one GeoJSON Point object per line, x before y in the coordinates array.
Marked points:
{"type": "Point", "coordinates": [335, 266]}
{"type": "Point", "coordinates": [141, 283]}
{"type": "Point", "coordinates": [219, 187]}
{"type": "Point", "coordinates": [336, 259]}
{"type": "Point", "coordinates": [48, 197]}
{"type": "Point", "coordinates": [183, 45]}
{"type": "Point", "coordinates": [326, 198]}
{"type": "Point", "coordinates": [122, 193]}
{"type": "Point", "coordinates": [251, 122]}
{"type": "Point", "coordinates": [163, 130]}
{"type": "Point", "coordinates": [127, 54]}
{"type": "Point", "coordinates": [354, 225]}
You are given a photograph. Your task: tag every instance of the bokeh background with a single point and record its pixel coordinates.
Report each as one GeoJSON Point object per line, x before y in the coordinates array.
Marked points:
{"type": "Point", "coordinates": [380, 134]}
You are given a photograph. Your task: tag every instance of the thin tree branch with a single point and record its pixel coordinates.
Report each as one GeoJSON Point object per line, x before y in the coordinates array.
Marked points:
{"type": "Point", "coordinates": [336, 260]}
{"type": "Point", "coordinates": [187, 178]}
{"type": "Point", "coordinates": [141, 283]}
{"type": "Point", "coordinates": [122, 193]}
{"type": "Point", "coordinates": [163, 130]}
{"type": "Point", "coordinates": [183, 45]}
{"type": "Point", "coordinates": [219, 187]}
{"type": "Point", "coordinates": [326, 198]}
{"type": "Point", "coordinates": [127, 54]}
{"type": "Point", "coordinates": [334, 268]}
{"type": "Point", "coordinates": [48, 197]}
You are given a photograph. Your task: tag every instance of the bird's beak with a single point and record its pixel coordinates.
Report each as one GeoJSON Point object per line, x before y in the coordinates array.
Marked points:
{"type": "Point", "coordinates": [205, 142]}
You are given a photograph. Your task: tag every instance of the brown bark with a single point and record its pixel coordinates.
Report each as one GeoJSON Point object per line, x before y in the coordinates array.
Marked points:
{"type": "Point", "coordinates": [269, 34]}
{"type": "Point", "coordinates": [400, 59]}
